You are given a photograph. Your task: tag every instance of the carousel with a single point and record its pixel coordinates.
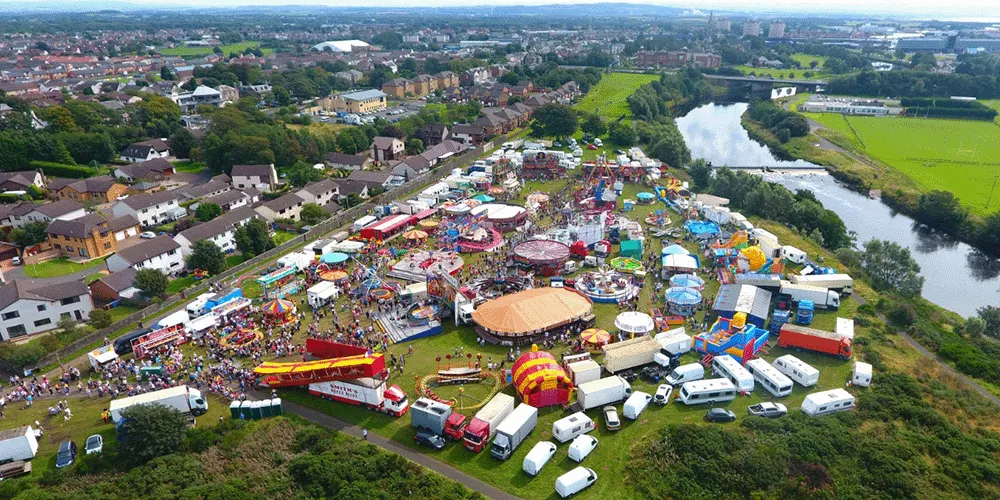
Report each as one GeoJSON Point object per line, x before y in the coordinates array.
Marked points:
{"type": "Point", "coordinates": [415, 266]}
{"type": "Point", "coordinates": [280, 311]}
{"type": "Point", "coordinates": [502, 216]}
{"type": "Point", "coordinates": [606, 286]}
{"type": "Point", "coordinates": [595, 338]}
{"type": "Point", "coordinates": [335, 275]}
{"type": "Point", "coordinates": [683, 301]}
{"type": "Point", "coordinates": [546, 257]}
{"type": "Point", "coordinates": [415, 237]}
{"type": "Point", "coordinates": [635, 323]}
{"type": "Point", "coordinates": [491, 287]}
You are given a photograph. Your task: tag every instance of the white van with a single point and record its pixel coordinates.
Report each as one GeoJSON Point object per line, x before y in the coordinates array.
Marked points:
{"type": "Point", "coordinates": [731, 369]}
{"type": "Point", "coordinates": [862, 374]}
{"type": "Point", "coordinates": [686, 373]}
{"type": "Point", "coordinates": [572, 426]}
{"type": "Point", "coordinates": [636, 404]}
{"type": "Point", "coordinates": [714, 390]}
{"type": "Point", "coordinates": [826, 402]}
{"type": "Point", "coordinates": [581, 447]}
{"type": "Point", "coordinates": [797, 370]}
{"type": "Point", "coordinates": [575, 481]}
{"type": "Point", "coordinates": [769, 377]}
{"type": "Point", "coordinates": [539, 455]}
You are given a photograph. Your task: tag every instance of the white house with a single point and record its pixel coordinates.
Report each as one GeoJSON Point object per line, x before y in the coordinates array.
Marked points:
{"type": "Point", "coordinates": [205, 190]}
{"type": "Point", "coordinates": [150, 209]}
{"type": "Point", "coordinates": [145, 150]}
{"type": "Point", "coordinates": [320, 193]}
{"type": "Point", "coordinates": [28, 307]}
{"type": "Point", "coordinates": [26, 212]}
{"type": "Point", "coordinates": [161, 253]}
{"type": "Point", "coordinates": [220, 230]}
{"type": "Point", "coordinates": [234, 198]}
{"type": "Point", "coordinates": [288, 206]}
{"type": "Point", "coordinates": [259, 177]}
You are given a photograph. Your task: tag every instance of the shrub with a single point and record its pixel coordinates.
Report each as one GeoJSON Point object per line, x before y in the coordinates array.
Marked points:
{"type": "Point", "coordinates": [903, 315]}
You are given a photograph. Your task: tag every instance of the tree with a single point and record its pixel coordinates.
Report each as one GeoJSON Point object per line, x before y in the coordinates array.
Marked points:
{"type": "Point", "coordinates": [392, 131]}
{"type": "Point", "coordinates": [181, 143]}
{"type": "Point", "coordinates": [975, 326]}
{"type": "Point", "coordinates": [166, 74]}
{"type": "Point", "coordinates": [253, 238]}
{"type": "Point", "coordinates": [414, 146]}
{"type": "Point", "coordinates": [30, 234]}
{"type": "Point", "coordinates": [700, 173]}
{"type": "Point", "coordinates": [151, 282]}
{"type": "Point", "coordinates": [621, 134]}
{"type": "Point", "coordinates": [206, 255]}
{"type": "Point", "coordinates": [891, 266]}
{"type": "Point", "coordinates": [593, 125]}
{"type": "Point", "coordinates": [352, 140]}
{"type": "Point", "coordinates": [312, 213]}
{"type": "Point", "coordinates": [990, 315]}
{"type": "Point", "coordinates": [207, 211]}
{"type": "Point", "coordinates": [99, 318]}
{"type": "Point", "coordinates": [389, 40]}
{"type": "Point", "coordinates": [940, 209]}
{"type": "Point", "coordinates": [153, 430]}
{"type": "Point", "coordinates": [301, 173]}
{"type": "Point", "coordinates": [555, 120]}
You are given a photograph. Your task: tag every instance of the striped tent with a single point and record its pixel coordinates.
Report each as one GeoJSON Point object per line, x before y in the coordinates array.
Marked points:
{"type": "Point", "coordinates": [540, 381]}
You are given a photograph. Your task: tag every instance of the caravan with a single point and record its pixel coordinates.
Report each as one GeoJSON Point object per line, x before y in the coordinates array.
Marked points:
{"type": "Point", "coordinates": [714, 390]}
{"type": "Point", "coordinates": [826, 402]}
{"type": "Point", "coordinates": [768, 376]}
{"type": "Point", "coordinates": [861, 375]}
{"type": "Point", "coordinates": [797, 370]}
{"type": "Point", "coordinates": [729, 368]}
{"type": "Point", "coordinates": [572, 426]}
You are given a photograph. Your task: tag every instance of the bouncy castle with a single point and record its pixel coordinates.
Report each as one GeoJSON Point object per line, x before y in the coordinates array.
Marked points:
{"type": "Point", "coordinates": [539, 379]}
{"type": "Point", "coordinates": [733, 337]}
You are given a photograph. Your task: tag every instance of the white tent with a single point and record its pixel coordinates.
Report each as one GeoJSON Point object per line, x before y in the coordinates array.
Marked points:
{"type": "Point", "coordinates": [635, 322]}
{"type": "Point", "coordinates": [101, 356]}
{"type": "Point", "coordinates": [321, 293]}
{"type": "Point", "coordinates": [348, 246]}
{"type": "Point", "coordinates": [680, 263]}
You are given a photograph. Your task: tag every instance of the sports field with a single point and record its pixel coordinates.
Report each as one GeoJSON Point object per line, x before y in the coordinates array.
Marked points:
{"type": "Point", "coordinates": [961, 156]}
{"type": "Point", "coordinates": [609, 96]}
{"type": "Point", "coordinates": [204, 51]}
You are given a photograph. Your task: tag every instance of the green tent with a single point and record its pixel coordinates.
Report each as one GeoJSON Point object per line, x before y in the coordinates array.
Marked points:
{"type": "Point", "coordinates": [632, 248]}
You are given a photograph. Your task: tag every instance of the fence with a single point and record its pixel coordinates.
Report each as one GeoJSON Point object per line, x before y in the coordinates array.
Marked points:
{"type": "Point", "coordinates": [335, 222]}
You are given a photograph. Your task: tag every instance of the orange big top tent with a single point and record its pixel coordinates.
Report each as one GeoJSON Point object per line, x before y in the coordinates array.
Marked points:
{"type": "Point", "coordinates": [540, 381]}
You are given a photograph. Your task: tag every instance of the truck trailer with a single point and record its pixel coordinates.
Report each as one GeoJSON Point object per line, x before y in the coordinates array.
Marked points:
{"type": "Point", "coordinates": [842, 283]}
{"type": "Point", "coordinates": [437, 418]}
{"type": "Point", "coordinates": [770, 282]}
{"type": "Point", "coordinates": [608, 390]}
{"type": "Point", "coordinates": [484, 424]}
{"type": "Point", "coordinates": [800, 337]}
{"type": "Point", "coordinates": [514, 430]}
{"type": "Point", "coordinates": [371, 393]}
{"type": "Point", "coordinates": [821, 297]}
{"type": "Point", "coordinates": [181, 398]}
{"type": "Point", "coordinates": [630, 354]}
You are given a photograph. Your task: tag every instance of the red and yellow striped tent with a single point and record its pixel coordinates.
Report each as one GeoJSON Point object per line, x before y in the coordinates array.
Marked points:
{"type": "Point", "coordinates": [540, 381]}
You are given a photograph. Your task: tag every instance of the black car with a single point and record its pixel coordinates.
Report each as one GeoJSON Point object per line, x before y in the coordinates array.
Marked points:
{"type": "Point", "coordinates": [720, 415]}
{"type": "Point", "coordinates": [67, 454]}
{"type": "Point", "coordinates": [428, 439]}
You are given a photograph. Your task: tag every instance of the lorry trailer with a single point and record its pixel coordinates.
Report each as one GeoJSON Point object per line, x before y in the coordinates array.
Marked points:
{"type": "Point", "coordinates": [842, 283]}
{"type": "Point", "coordinates": [821, 297]}
{"type": "Point", "coordinates": [800, 337]}
{"type": "Point", "coordinates": [437, 418]}
{"type": "Point", "coordinates": [602, 392]}
{"type": "Point", "coordinates": [181, 398]}
{"type": "Point", "coordinates": [483, 425]}
{"type": "Point", "coordinates": [370, 393]}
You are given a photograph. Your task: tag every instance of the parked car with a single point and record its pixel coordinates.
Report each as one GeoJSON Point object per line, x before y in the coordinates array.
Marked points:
{"type": "Point", "coordinates": [769, 410]}
{"type": "Point", "coordinates": [720, 415]}
{"type": "Point", "coordinates": [581, 447]}
{"type": "Point", "coordinates": [147, 235]}
{"type": "Point", "coordinates": [663, 393]}
{"type": "Point", "coordinates": [95, 444]}
{"type": "Point", "coordinates": [67, 454]}
{"type": "Point", "coordinates": [428, 439]}
{"type": "Point", "coordinates": [611, 421]}
{"type": "Point", "coordinates": [16, 261]}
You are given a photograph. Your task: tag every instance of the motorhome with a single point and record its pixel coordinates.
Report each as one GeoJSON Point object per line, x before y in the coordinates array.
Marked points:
{"type": "Point", "coordinates": [797, 370]}
{"type": "Point", "coordinates": [572, 426]}
{"type": "Point", "coordinates": [727, 367]}
{"type": "Point", "coordinates": [827, 402]}
{"type": "Point", "coordinates": [769, 377]}
{"type": "Point", "coordinates": [716, 390]}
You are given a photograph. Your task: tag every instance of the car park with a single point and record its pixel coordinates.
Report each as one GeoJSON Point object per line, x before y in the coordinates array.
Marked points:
{"type": "Point", "coordinates": [720, 415]}
{"type": "Point", "coordinates": [663, 393]}
{"type": "Point", "coordinates": [769, 410]}
{"type": "Point", "coordinates": [581, 447]}
{"type": "Point", "coordinates": [611, 421]}
{"type": "Point", "coordinates": [94, 444]}
{"type": "Point", "coordinates": [429, 440]}
{"type": "Point", "coordinates": [67, 454]}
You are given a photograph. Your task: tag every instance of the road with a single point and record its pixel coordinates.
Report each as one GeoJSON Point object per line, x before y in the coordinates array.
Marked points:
{"type": "Point", "coordinates": [929, 355]}
{"type": "Point", "coordinates": [387, 444]}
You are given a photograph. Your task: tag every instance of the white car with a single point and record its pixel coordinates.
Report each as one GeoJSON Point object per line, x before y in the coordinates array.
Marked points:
{"type": "Point", "coordinates": [581, 447]}
{"type": "Point", "coordinates": [95, 444]}
{"type": "Point", "coordinates": [769, 410]}
{"type": "Point", "coordinates": [663, 393]}
{"type": "Point", "coordinates": [147, 235]}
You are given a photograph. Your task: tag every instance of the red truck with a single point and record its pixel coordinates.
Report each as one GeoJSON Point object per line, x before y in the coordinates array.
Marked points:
{"type": "Point", "coordinates": [454, 427]}
{"type": "Point", "coordinates": [800, 337]}
{"type": "Point", "coordinates": [484, 425]}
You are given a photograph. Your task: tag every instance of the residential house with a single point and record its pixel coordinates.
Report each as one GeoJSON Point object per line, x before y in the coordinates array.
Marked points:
{"type": "Point", "coordinates": [115, 286]}
{"type": "Point", "coordinates": [492, 123]}
{"type": "Point", "coordinates": [381, 179]}
{"type": "Point", "coordinates": [28, 307]}
{"type": "Point", "coordinates": [445, 79]}
{"type": "Point", "coordinates": [435, 154]}
{"type": "Point", "coordinates": [161, 253]}
{"type": "Point", "coordinates": [423, 85]}
{"type": "Point", "coordinates": [468, 135]}
{"type": "Point", "coordinates": [21, 181]}
{"type": "Point", "coordinates": [259, 177]}
{"type": "Point", "coordinates": [101, 189]}
{"type": "Point", "coordinates": [343, 161]}
{"type": "Point", "coordinates": [320, 192]}
{"type": "Point", "coordinates": [220, 230]}
{"type": "Point", "coordinates": [155, 169]}
{"type": "Point", "coordinates": [91, 236]}
{"type": "Point", "coordinates": [234, 198]}
{"type": "Point", "coordinates": [189, 101]}
{"type": "Point", "coordinates": [349, 187]}
{"type": "Point", "coordinates": [146, 150]}
{"type": "Point", "coordinates": [26, 212]}
{"type": "Point", "coordinates": [432, 134]}
{"type": "Point", "coordinates": [288, 206]}
{"type": "Point", "coordinates": [205, 190]}
{"type": "Point", "coordinates": [387, 148]}
{"type": "Point", "coordinates": [150, 209]}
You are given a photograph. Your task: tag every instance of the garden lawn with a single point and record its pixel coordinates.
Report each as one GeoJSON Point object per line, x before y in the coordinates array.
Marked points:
{"type": "Point", "coordinates": [176, 285]}
{"type": "Point", "coordinates": [203, 51]}
{"type": "Point", "coordinates": [58, 267]}
{"type": "Point", "coordinates": [954, 155]}
{"type": "Point", "coordinates": [609, 96]}
{"type": "Point", "coordinates": [282, 236]}
{"type": "Point", "coordinates": [189, 167]}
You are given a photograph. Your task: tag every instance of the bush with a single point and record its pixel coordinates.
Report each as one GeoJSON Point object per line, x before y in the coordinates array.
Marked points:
{"type": "Point", "coordinates": [99, 318]}
{"type": "Point", "coordinates": [903, 315]}
{"type": "Point", "coordinates": [52, 169]}
{"type": "Point", "coordinates": [22, 355]}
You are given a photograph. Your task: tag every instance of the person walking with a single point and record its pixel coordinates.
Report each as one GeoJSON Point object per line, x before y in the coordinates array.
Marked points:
{"type": "Point", "coordinates": [364, 434]}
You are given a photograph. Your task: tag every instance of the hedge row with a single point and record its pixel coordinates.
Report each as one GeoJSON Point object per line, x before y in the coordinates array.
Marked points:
{"type": "Point", "coordinates": [52, 169]}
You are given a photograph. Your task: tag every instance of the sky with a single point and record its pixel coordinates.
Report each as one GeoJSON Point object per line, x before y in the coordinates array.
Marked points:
{"type": "Point", "coordinates": [941, 9]}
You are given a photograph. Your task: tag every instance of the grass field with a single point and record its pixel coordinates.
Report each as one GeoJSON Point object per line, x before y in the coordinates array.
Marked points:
{"type": "Point", "coordinates": [609, 96]}
{"type": "Point", "coordinates": [320, 128]}
{"type": "Point", "coordinates": [955, 155]}
{"type": "Point", "coordinates": [58, 267]}
{"type": "Point", "coordinates": [204, 51]}
{"type": "Point", "coordinates": [780, 73]}
{"type": "Point", "coordinates": [806, 59]}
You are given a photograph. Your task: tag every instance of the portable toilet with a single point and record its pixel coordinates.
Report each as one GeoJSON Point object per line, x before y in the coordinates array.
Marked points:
{"type": "Point", "coordinates": [245, 410]}
{"type": "Point", "coordinates": [234, 409]}
{"type": "Point", "coordinates": [265, 409]}
{"type": "Point", "coordinates": [255, 411]}
{"type": "Point", "coordinates": [276, 409]}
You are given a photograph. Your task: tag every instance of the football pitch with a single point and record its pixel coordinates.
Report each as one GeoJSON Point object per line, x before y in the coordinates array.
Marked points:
{"type": "Point", "coordinates": [609, 96]}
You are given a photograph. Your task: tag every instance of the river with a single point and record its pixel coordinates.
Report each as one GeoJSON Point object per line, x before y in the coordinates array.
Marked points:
{"type": "Point", "coordinates": [958, 277]}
